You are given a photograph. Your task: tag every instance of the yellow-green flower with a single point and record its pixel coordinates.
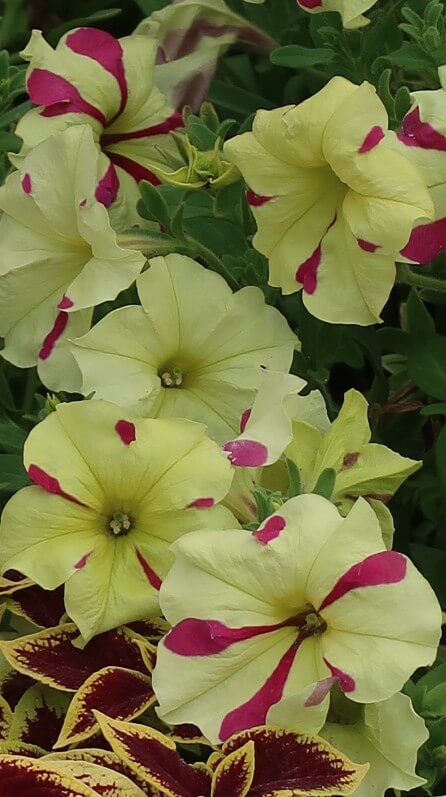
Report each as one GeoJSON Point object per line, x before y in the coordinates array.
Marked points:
{"type": "Point", "coordinates": [111, 494]}
{"type": "Point", "coordinates": [306, 596]}
{"type": "Point", "coordinates": [193, 350]}
{"type": "Point", "coordinates": [59, 256]}
{"type": "Point", "coordinates": [334, 203]}
{"type": "Point", "coordinates": [351, 11]}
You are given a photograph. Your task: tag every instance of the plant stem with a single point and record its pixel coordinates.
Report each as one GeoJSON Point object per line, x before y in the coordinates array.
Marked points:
{"type": "Point", "coordinates": [406, 276]}
{"type": "Point", "coordinates": [32, 382]}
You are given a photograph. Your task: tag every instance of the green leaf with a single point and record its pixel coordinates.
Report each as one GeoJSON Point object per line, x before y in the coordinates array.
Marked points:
{"type": "Point", "coordinates": [12, 436]}
{"type": "Point", "coordinates": [12, 473]}
{"type": "Point", "coordinates": [155, 203]}
{"type": "Point", "coordinates": [434, 409]}
{"type": "Point", "coordinates": [325, 483]}
{"type": "Point", "coordinates": [427, 364]}
{"type": "Point", "coordinates": [419, 320]}
{"type": "Point", "coordinates": [10, 142]}
{"type": "Point", "coordinates": [90, 20]}
{"type": "Point", "coordinates": [440, 456]}
{"type": "Point", "coordinates": [237, 100]}
{"type": "Point", "coordinates": [199, 134]}
{"type": "Point", "coordinates": [296, 56]}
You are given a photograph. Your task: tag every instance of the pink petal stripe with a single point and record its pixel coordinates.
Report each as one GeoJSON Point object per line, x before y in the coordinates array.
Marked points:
{"type": "Point", "coordinates": [256, 200]}
{"type": "Point", "coordinates": [372, 139]}
{"type": "Point", "coordinates": [107, 187]}
{"type": "Point", "coordinates": [65, 303]}
{"type": "Point", "coordinates": [126, 431]}
{"type": "Point", "coordinates": [103, 48]}
{"type": "Point", "coordinates": [427, 242]}
{"type": "Point", "coordinates": [270, 530]}
{"type": "Point", "coordinates": [194, 637]}
{"type": "Point", "coordinates": [367, 246]}
{"type": "Point", "coordinates": [306, 274]}
{"type": "Point", "coordinates": [58, 96]}
{"type": "Point", "coordinates": [320, 692]}
{"type": "Point", "coordinates": [311, 3]}
{"type": "Point", "coordinates": [377, 570]}
{"type": "Point", "coordinates": [246, 453]}
{"type": "Point", "coordinates": [133, 168]}
{"type": "Point", "coordinates": [26, 183]}
{"type": "Point", "coordinates": [172, 123]}
{"type": "Point", "coordinates": [346, 682]}
{"type": "Point", "coordinates": [254, 711]}
{"type": "Point", "coordinates": [53, 336]}
{"type": "Point", "coordinates": [415, 133]}
{"type": "Point", "coordinates": [244, 420]}
{"type": "Point", "coordinates": [150, 574]}
{"type": "Point", "coordinates": [50, 484]}
{"type": "Point", "coordinates": [83, 561]}
{"type": "Point", "coordinates": [201, 503]}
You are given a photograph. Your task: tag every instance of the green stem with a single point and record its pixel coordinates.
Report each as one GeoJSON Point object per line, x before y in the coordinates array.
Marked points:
{"type": "Point", "coordinates": [406, 276]}
{"type": "Point", "coordinates": [32, 383]}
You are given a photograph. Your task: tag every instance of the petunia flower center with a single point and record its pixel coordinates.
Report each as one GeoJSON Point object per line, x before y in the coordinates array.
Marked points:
{"type": "Point", "coordinates": [173, 377]}
{"type": "Point", "coordinates": [120, 524]}
{"type": "Point", "coordinates": [309, 622]}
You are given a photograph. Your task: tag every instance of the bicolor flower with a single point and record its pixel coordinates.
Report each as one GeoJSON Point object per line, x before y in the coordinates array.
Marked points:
{"type": "Point", "coordinates": [191, 36]}
{"type": "Point", "coordinates": [306, 596]}
{"type": "Point", "coordinates": [423, 139]}
{"type": "Point", "coordinates": [110, 495]}
{"type": "Point", "coordinates": [387, 735]}
{"type": "Point", "coordinates": [193, 350]}
{"type": "Point", "coordinates": [351, 11]}
{"type": "Point", "coordinates": [334, 203]}
{"type": "Point", "coordinates": [92, 78]}
{"type": "Point", "coordinates": [59, 256]}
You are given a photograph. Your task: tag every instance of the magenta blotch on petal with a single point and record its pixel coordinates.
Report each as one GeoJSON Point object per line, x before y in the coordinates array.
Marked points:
{"type": "Point", "coordinates": [82, 562]}
{"type": "Point", "coordinates": [126, 431]}
{"type": "Point", "coordinates": [415, 133]}
{"type": "Point", "coordinates": [244, 420]}
{"type": "Point", "coordinates": [153, 579]}
{"type": "Point", "coordinates": [366, 246]}
{"type": "Point", "coordinates": [194, 637]}
{"type": "Point", "coordinates": [426, 242]}
{"type": "Point", "coordinates": [65, 303]}
{"type": "Point", "coordinates": [311, 3]}
{"type": "Point", "coordinates": [254, 711]}
{"type": "Point", "coordinates": [50, 484]}
{"type": "Point", "coordinates": [256, 200]}
{"type": "Point", "coordinates": [246, 453]}
{"type": "Point", "coordinates": [377, 570]}
{"type": "Point", "coordinates": [346, 682]}
{"type": "Point", "coordinates": [270, 530]}
{"type": "Point", "coordinates": [201, 503]}
{"type": "Point", "coordinates": [306, 274]}
{"type": "Point", "coordinates": [53, 336]}
{"type": "Point", "coordinates": [58, 96]}
{"type": "Point", "coordinates": [372, 139]}
{"type": "Point", "coordinates": [320, 692]}
{"type": "Point", "coordinates": [350, 459]}
{"type": "Point", "coordinates": [107, 187]}
{"type": "Point", "coordinates": [26, 183]}
{"type": "Point", "coordinates": [103, 48]}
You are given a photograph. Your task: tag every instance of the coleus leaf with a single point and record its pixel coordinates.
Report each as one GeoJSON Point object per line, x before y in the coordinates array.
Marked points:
{"type": "Point", "coordinates": [103, 758]}
{"type": "Point", "coordinates": [42, 607]}
{"type": "Point", "coordinates": [122, 693]}
{"type": "Point", "coordinates": [5, 718]}
{"type": "Point", "coordinates": [14, 747]}
{"type": "Point", "coordinates": [25, 776]}
{"type": "Point", "coordinates": [13, 685]}
{"type": "Point", "coordinates": [152, 629]}
{"type": "Point", "coordinates": [187, 734]}
{"type": "Point", "coordinates": [50, 657]}
{"type": "Point", "coordinates": [9, 586]}
{"type": "Point", "coordinates": [295, 763]}
{"type": "Point", "coordinates": [102, 780]}
{"type": "Point", "coordinates": [38, 717]}
{"type": "Point", "coordinates": [235, 773]}
{"type": "Point", "coordinates": [154, 758]}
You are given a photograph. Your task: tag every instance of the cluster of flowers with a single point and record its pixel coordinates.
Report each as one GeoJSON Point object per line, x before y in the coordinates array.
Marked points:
{"type": "Point", "coordinates": [198, 535]}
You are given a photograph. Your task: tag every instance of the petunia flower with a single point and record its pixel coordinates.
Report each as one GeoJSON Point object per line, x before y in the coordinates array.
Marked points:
{"type": "Point", "coordinates": [351, 11]}
{"type": "Point", "coordinates": [422, 138]}
{"type": "Point", "coordinates": [191, 36]}
{"type": "Point", "coordinates": [334, 203]}
{"type": "Point", "coordinates": [59, 256]}
{"type": "Point", "coordinates": [92, 78]}
{"type": "Point", "coordinates": [193, 350]}
{"type": "Point", "coordinates": [111, 493]}
{"type": "Point", "coordinates": [307, 596]}
{"type": "Point", "coordinates": [387, 735]}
